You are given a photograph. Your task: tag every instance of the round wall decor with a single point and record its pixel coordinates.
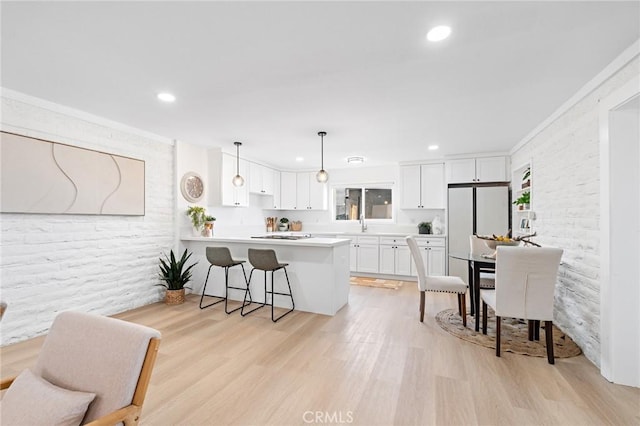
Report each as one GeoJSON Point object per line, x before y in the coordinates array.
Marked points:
{"type": "Point", "coordinates": [192, 187]}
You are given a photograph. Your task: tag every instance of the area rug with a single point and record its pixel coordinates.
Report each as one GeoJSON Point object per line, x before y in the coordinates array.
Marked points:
{"type": "Point", "coordinates": [514, 337]}
{"type": "Point", "coordinates": [376, 282]}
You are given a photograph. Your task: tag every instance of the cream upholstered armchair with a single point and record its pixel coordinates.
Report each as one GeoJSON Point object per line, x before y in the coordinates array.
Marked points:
{"type": "Point", "coordinates": [525, 286]}
{"type": "Point", "coordinates": [91, 370]}
{"type": "Point", "coordinates": [437, 283]}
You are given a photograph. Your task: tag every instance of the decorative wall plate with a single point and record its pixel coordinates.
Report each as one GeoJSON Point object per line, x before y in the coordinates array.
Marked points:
{"type": "Point", "coordinates": [192, 187]}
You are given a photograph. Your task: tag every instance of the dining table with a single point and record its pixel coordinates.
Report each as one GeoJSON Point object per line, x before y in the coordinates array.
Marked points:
{"type": "Point", "coordinates": [475, 264]}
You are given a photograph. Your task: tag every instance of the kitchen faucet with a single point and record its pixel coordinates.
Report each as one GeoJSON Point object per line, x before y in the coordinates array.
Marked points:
{"type": "Point", "coordinates": [363, 226]}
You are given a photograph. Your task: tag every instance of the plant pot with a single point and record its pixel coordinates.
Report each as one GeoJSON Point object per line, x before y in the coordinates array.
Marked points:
{"type": "Point", "coordinates": [174, 297]}
{"type": "Point", "coordinates": [197, 232]}
{"type": "Point", "coordinates": [208, 229]}
{"type": "Point", "coordinates": [283, 227]}
{"type": "Point", "coordinates": [424, 231]}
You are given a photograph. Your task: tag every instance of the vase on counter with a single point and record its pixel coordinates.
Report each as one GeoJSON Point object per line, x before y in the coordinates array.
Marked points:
{"type": "Point", "coordinates": [437, 226]}
{"type": "Point", "coordinates": [208, 229]}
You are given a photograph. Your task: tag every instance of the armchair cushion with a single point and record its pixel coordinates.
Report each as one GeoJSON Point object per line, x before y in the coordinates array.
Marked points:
{"type": "Point", "coordinates": [31, 400]}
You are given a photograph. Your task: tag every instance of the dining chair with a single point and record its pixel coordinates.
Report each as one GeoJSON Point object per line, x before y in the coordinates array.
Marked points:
{"type": "Point", "coordinates": [477, 247]}
{"type": "Point", "coordinates": [437, 283]}
{"type": "Point", "coordinates": [525, 286]}
{"type": "Point", "coordinates": [91, 370]}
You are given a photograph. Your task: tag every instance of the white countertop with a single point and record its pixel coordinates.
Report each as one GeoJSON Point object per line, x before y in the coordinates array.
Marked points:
{"type": "Point", "coordinates": [304, 242]}
{"type": "Point", "coordinates": [379, 234]}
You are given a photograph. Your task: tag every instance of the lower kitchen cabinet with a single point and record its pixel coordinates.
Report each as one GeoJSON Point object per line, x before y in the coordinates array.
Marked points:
{"type": "Point", "coordinates": [433, 256]}
{"type": "Point", "coordinates": [364, 254]}
{"type": "Point", "coordinates": [395, 256]}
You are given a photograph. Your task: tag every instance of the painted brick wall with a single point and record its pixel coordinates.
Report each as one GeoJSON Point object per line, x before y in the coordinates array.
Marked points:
{"type": "Point", "coordinates": [566, 200]}
{"type": "Point", "coordinates": [100, 264]}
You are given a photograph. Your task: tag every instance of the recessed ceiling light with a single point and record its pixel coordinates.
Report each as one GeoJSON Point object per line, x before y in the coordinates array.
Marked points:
{"type": "Point", "coordinates": [166, 97]}
{"type": "Point", "coordinates": [355, 160]}
{"type": "Point", "coordinates": [299, 159]}
{"type": "Point", "coordinates": [438, 33]}
{"type": "Point", "coordinates": [433, 147]}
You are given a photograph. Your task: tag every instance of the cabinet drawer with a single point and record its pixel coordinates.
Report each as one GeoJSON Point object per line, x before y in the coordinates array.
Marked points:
{"type": "Point", "coordinates": [393, 241]}
{"type": "Point", "coordinates": [366, 240]}
{"type": "Point", "coordinates": [430, 242]}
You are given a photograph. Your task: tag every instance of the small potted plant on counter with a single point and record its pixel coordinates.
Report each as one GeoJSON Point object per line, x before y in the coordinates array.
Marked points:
{"type": "Point", "coordinates": [424, 228]}
{"type": "Point", "coordinates": [175, 277]}
{"type": "Point", "coordinates": [197, 216]}
{"type": "Point", "coordinates": [284, 224]}
{"type": "Point", "coordinates": [208, 226]}
{"type": "Point", "coordinates": [523, 201]}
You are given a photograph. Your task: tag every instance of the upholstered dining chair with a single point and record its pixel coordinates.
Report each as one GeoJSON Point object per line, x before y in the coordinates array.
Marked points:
{"type": "Point", "coordinates": [436, 283]}
{"type": "Point", "coordinates": [525, 286]}
{"type": "Point", "coordinates": [91, 370]}
{"type": "Point", "coordinates": [477, 247]}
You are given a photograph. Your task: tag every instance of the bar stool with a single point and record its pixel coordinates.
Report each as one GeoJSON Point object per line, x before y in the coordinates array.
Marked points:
{"type": "Point", "coordinates": [265, 260]}
{"type": "Point", "coordinates": [221, 256]}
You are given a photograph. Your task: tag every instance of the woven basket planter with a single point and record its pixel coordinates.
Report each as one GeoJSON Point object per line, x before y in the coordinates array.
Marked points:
{"type": "Point", "coordinates": [174, 297]}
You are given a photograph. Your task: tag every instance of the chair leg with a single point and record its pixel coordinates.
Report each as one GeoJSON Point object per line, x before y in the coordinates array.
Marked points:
{"type": "Point", "coordinates": [246, 289]}
{"type": "Point", "coordinates": [498, 324]}
{"type": "Point", "coordinates": [548, 333]}
{"type": "Point", "coordinates": [422, 306]}
{"type": "Point", "coordinates": [222, 299]}
{"type": "Point", "coordinates": [484, 317]}
{"type": "Point", "coordinates": [536, 329]}
{"type": "Point", "coordinates": [530, 330]}
{"type": "Point", "coordinates": [463, 307]}
{"type": "Point", "coordinates": [273, 293]}
{"type": "Point", "coordinates": [247, 292]}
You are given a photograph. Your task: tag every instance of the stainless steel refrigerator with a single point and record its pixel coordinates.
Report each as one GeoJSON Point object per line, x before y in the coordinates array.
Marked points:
{"type": "Point", "coordinates": [480, 208]}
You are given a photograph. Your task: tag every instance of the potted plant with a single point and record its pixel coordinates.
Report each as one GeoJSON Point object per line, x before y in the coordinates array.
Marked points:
{"type": "Point", "coordinates": [284, 224]}
{"type": "Point", "coordinates": [197, 216]}
{"type": "Point", "coordinates": [424, 228]}
{"type": "Point", "coordinates": [208, 225]}
{"type": "Point", "coordinates": [175, 276]}
{"type": "Point", "coordinates": [523, 201]}
{"type": "Point", "coordinates": [526, 178]}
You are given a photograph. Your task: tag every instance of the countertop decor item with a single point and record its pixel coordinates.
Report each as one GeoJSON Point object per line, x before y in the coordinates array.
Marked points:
{"type": "Point", "coordinates": [208, 226]}
{"type": "Point", "coordinates": [296, 226]}
{"type": "Point", "coordinates": [197, 215]}
{"type": "Point", "coordinates": [284, 224]}
{"type": "Point", "coordinates": [322, 176]}
{"type": "Point", "coordinates": [237, 179]}
{"type": "Point", "coordinates": [424, 228]}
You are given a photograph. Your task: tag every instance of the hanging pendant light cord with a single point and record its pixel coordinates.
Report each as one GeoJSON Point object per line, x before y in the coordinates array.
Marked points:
{"type": "Point", "coordinates": [321, 152]}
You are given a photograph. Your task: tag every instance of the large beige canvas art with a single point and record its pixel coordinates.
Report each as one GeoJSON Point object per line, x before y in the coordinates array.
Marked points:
{"type": "Point", "coordinates": [40, 176]}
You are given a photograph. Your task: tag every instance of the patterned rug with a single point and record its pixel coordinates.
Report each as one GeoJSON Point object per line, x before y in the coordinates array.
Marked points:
{"type": "Point", "coordinates": [514, 337]}
{"type": "Point", "coordinates": [376, 282]}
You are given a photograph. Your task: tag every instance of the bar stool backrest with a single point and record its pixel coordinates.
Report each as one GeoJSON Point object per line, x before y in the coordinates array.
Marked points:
{"type": "Point", "coordinates": [264, 260]}
{"type": "Point", "coordinates": [219, 256]}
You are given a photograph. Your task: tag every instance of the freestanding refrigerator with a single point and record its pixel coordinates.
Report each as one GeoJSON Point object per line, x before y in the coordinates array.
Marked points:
{"type": "Point", "coordinates": [478, 208]}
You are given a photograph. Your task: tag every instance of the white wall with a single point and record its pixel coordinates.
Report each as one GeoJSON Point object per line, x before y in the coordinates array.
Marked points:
{"type": "Point", "coordinates": [566, 200]}
{"type": "Point", "coordinates": [101, 264]}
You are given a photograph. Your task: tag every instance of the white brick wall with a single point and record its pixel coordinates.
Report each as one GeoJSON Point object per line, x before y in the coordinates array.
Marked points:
{"type": "Point", "coordinates": [566, 200]}
{"type": "Point", "coordinates": [101, 264]}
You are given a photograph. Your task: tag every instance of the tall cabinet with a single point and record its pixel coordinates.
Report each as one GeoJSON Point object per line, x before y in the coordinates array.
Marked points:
{"type": "Point", "coordinates": [221, 189]}
{"type": "Point", "coordinates": [422, 186]}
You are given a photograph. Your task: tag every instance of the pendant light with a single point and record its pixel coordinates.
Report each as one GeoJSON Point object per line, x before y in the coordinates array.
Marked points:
{"type": "Point", "coordinates": [322, 176]}
{"type": "Point", "coordinates": [237, 179]}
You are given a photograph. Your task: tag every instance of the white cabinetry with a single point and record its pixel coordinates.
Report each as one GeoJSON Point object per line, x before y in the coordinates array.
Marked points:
{"type": "Point", "coordinates": [276, 190]}
{"type": "Point", "coordinates": [422, 186]}
{"type": "Point", "coordinates": [433, 256]}
{"type": "Point", "coordinates": [260, 179]}
{"type": "Point", "coordinates": [222, 169]}
{"type": "Point", "coordinates": [310, 194]}
{"type": "Point", "coordinates": [395, 257]}
{"type": "Point", "coordinates": [364, 254]}
{"type": "Point", "coordinates": [287, 190]}
{"type": "Point", "coordinates": [481, 169]}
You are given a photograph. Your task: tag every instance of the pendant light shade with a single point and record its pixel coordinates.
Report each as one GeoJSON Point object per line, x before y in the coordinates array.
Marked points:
{"type": "Point", "coordinates": [322, 176]}
{"type": "Point", "coordinates": [237, 179]}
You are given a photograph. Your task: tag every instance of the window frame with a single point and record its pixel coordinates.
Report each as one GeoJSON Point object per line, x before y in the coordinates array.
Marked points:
{"type": "Point", "coordinates": [364, 187]}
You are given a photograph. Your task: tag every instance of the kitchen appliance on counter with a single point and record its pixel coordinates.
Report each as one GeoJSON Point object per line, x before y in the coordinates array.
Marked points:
{"type": "Point", "coordinates": [477, 208]}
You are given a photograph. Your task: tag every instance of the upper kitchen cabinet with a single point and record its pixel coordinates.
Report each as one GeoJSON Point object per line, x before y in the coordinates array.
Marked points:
{"type": "Point", "coordinates": [288, 190]}
{"type": "Point", "coordinates": [422, 186]}
{"type": "Point", "coordinates": [481, 169]}
{"type": "Point", "coordinates": [277, 199]}
{"type": "Point", "coordinates": [310, 194]}
{"type": "Point", "coordinates": [261, 179]}
{"type": "Point", "coordinates": [222, 169]}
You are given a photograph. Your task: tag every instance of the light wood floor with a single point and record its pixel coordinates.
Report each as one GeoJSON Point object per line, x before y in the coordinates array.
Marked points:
{"type": "Point", "coordinates": [372, 364]}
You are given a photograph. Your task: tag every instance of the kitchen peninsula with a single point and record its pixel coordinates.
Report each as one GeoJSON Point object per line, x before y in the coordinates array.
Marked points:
{"type": "Point", "coordinates": [318, 270]}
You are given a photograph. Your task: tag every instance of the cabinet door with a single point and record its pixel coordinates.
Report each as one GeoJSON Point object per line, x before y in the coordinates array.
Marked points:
{"type": "Point", "coordinates": [410, 187]}
{"type": "Point", "coordinates": [387, 260]}
{"type": "Point", "coordinates": [228, 196]}
{"type": "Point", "coordinates": [353, 257]}
{"type": "Point", "coordinates": [403, 260]}
{"type": "Point", "coordinates": [242, 192]}
{"type": "Point", "coordinates": [255, 178]}
{"type": "Point", "coordinates": [491, 169]}
{"type": "Point", "coordinates": [276, 189]}
{"type": "Point", "coordinates": [432, 186]}
{"type": "Point", "coordinates": [461, 171]}
{"type": "Point", "coordinates": [268, 181]}
{"type": "Point", "coordinates": [317, 193]}
{"type": "Point", "coordinates": [288, 190]}
{"type": "Point", "coordinates": [368, 258]}
{"type": "Point", "coordinates": [302, 191]}
{"type": "Point", "coordinates": [436, 261]}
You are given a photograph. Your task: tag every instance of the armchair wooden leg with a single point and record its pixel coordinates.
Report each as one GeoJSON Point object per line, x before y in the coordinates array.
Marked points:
{"type": "Point", "coordinates": [484, 317]}
{"type": "Point", "coordinates": [530, 329]}
{"type": "Point", "coordinates": [463, 307]}
{"type": "Point", "coordinates": [548, 333]}
{"type": "Point", "coordinates": [422, 306]}
{"type": "Point", "coordinates": [536, 329]}
{"type": "Point", "coordinates": [498, 324]}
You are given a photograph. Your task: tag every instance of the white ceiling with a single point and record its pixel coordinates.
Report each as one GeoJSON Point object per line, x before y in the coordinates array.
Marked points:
{"type": "Point", "coordinates": [272, 74]}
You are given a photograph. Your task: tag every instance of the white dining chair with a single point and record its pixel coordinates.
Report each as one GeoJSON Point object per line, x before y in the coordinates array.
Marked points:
{"type": "Point", "coordinates": [437, 283]}
{"type": "Point", "coordinates": [477, 247]}
{"type": "Point", "coordinates": [525, 286]}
